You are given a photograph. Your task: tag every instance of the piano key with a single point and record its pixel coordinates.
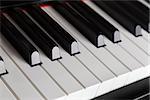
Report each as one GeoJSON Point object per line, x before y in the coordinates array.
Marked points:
{"type": "Point", "coordinates": [127, 23]}
{"type": "Point", "coordinates": [5, 93]}
{"type": "Point", "coordinates": [146, 36]}
{"type": "Point", "coordinates": [25, 48]}
{"type": "Point", "coordinates": [123, 56]}
{"type": "Point", "coordinates": [134, 50]}
{"type": "Point", "coordinates": [141, 7]}
{"type": "Point", "coordinates": [117, 71]}
{"type": "Point", "coordinates": [2, 67]}
{"type": "Point", "coordinates": [145, 3]}
{"type": "Point", "coordinates": [107, 29]}
{"type": "Point", "coordinates": [140, 42]}
{"type": "Point", "coordinates": [94, 65]}
{"type": "Point", "coordinates": [90, 32]}
{"type": "Point", "coordinates": [84, 41]}
{"type": "Point", "coordinates": [127, 44]}
{"type": "Point", "coordinates": [37, 76]}
{"type": "Point", "coordinates": [130, 8]}
{"type": "Point", "coordinates": [67, 42]}
{"type": "Point", "coordinates": [142, 45]}
{"type": "Point", "coordinates": [79, 72]}
{"type": "Point", "coordinates": [70, 86]}
{"type": "Point", "coordinates": [49, 47]}
{"type": "Point", "coordinates": [19, 84]}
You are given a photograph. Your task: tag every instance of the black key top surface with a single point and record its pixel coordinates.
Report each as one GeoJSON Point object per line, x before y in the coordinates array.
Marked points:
{"type": "Point", "coordinates": [63, 38]}
{"type": "Point", "coordinates": [107, 29]}
{"type": "Point", "coordinates": [129, 24]}
{"type": "Point", "coordinates": [43, 41]}
{"type": "Point", "coordinates": [19, 42]}
{"type": "Point", "coordinates": [90, 32]}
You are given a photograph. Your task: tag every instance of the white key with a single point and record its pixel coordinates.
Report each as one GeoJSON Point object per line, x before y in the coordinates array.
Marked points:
{"type": "Point", "coordinates": [134, 50]}
{"type": "Point", "coordinates": [138, 41]}
{"type": "Point", "coordinates": [5, 93]}
{"type": "Point", "coordinates": [122, 55]}
{"type": "Point", "coordinates": [146, 35]}
{"type": "Point", "coordinates": [17, 81]}
{"type": "Point", "coordinates": [2, 67]}
{"type": "Point", "coordinates": [41, 80]}
{"type": "Point", "coordinates": [80, 73]}
{"type": "Point", "coordinates": [93, 64]}
{"type": "Point", "coordinates": [61, 76]}
{"type": "Point", "coordinates": [112, 64]}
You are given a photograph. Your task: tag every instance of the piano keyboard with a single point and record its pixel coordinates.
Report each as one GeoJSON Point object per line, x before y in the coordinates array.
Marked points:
{"type": "Point", "coordinates": [72, 50]}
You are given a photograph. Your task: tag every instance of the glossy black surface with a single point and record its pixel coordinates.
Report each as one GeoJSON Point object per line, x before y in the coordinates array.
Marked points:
{"type": "Point", "coordinates": [135, 12]}
{"type": "Point", "coordinates": [126, 20]}
{"type": "Point", "coordinates": [18, 41]}
{"type": "Point", "coordinates": [81, 24]}
{"type": "Point", "coordinates": [97, 21]}
{"type": "Point", "coordinates": [63, 38]}
{"type": "Point", "coordinates": [43, 41]}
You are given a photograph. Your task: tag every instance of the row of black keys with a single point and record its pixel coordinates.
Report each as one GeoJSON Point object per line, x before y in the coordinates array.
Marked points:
{"type": "Point", "coordinates": [86, 20]}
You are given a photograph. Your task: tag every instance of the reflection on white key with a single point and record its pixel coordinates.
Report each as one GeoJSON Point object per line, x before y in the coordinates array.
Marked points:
{"type": "Point", "coordinates": [43, 83]}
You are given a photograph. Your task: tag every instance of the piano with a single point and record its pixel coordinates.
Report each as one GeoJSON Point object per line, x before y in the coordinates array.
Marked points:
{"type": "Point", "coordinates": [75, 50]}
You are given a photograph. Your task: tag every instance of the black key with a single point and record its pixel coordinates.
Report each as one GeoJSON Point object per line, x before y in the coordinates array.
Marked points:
{"type": "Point", "coordinates": [63, 38]}
{"type": "Point", "coordinates": [147, 1]}
{"type": "Point", "coordinates": [19, 42]}
{"type": "Point", "coordinates": [107, 29]}
{"type": "Point", "coordinates": [43, 41]}
{"type": "Point", "coordinates": [1, 59]}
{"type": "Point", "coordinates": [110, 8]}
{"type": "Point", "coordinates": [88, 30]}
{"type": "Point", "coordinates": [137, 14]}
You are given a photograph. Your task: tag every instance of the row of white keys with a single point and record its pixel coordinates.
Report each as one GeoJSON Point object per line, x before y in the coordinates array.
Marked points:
{"type": "Point", "coordinates": [129, 47]}
{"type": "Point", "coordinates": [68, 84]}
{"type": "Point", "coordinates": [79, 72]}
{"type": "Point", "coordinates": [18, 83]}
{"type": "Point", "coordinates": [5, 93]}
{"type": "Point", "coordinates": [39, 78]}
{"type": "Point", "coordinates": [122, 55]}
{"type": "Point", "coordinates": [132, 48]}
{"type": "Point", "coordinates": [101, 54]}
